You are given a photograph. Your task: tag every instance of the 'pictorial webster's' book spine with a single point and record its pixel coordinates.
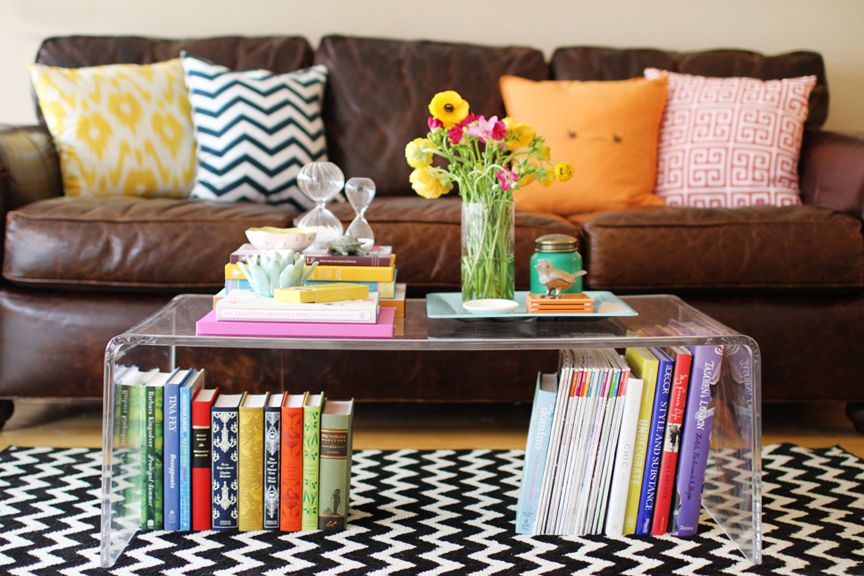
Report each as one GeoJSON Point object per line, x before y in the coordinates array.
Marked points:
{"type": "Point", "coordinates": [225, 456]}
{"type": "Point", "coordinates": [311, 447]}
{"type": "Point", "coordinates": [171, 456]}
{"type": "Point", "coordinates": [151, 498]}
{"type": "Point", "coordinates": [272, 449]}
{"type": "Point", "coordinates": [335, 471]}
{"type": "Point", "coordinates": [654, 453]}
{"type": "Point", "coordinates": [537, 446]}
{"type": "Point", "coordinates": [696, 439]}
{"type": "Point", "coordinates": [291, 480]}
{"type": "Point", "coordinates": [251, 470]}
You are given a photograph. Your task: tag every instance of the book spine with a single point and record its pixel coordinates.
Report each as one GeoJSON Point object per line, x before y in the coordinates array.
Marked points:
{"type": "Point", "coordinates": [171, 459]}
{"type": "Point", "coordinates": [185, 488]}
{"type": "Point", "coordinates": [383, 289]}
{"type": "Point", "coordinates": [352, 274]}
{"type": "Point", "coordinates": [152, 491]}
{"type": "Point", "coordinates": [335, 472]}
{"type": "Point", "coordinates": [367, 316]}
{"type": "Point", "coordinates": [311, 446]}
{"type": "Point", "coordinates": [656, 433]}
{"type": "Point", "coordinates": [640, 449]}
{"type": "Point", "coordinates": [122, 447]}
{"type": "Point", "coordinates": [291, 481]}
{"type": "Point", "coordinates": [272, 449]}
{"type": "Point", "coordinates": [330, 260]}
{"type": "Point", "coordinates": [620, 484]}
{"type": "Point", "coordinates": [671, 441]}
{"type": "Point", "coordinates": [536, 450]}
{"type": "Point", "coordinates": [225, 429]}
{"type": "Point", "coordinates": [251, 470]}
{"type": "Point", "coordinates": [201, 466]}
{"type": "Point", "coordinates": [134, 471]}
{"type": "Point", "coordinates": [695, 441]}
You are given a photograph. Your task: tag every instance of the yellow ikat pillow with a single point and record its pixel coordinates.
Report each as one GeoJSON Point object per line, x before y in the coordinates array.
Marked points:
{"type": "Point", "coordinates": [120, 130]}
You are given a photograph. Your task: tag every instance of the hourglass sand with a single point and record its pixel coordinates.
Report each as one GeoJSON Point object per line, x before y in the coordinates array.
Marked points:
{"type": "Point", "coordinates": [320, 182]}
{"type": "Point", "coordinates": [360, 193]}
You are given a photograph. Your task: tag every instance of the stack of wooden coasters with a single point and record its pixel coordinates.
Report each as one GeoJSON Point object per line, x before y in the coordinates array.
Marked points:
{"type": "Point", "coordinates": [578, 303]}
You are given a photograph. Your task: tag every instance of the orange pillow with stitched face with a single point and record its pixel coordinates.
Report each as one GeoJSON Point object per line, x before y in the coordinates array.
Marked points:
{"type": "Point", "coordinates": [608, 131]}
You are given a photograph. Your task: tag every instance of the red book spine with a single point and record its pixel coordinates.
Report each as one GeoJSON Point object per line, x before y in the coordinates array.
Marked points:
{"type": "Point", "coordinates": [669, 459]}
{"type": "Point", "coordinates": [201, 450]}
{"type": "Point", "coordinates": [291, 492]}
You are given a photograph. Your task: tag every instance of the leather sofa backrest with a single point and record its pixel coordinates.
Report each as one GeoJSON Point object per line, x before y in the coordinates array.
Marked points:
{"type": "Point", "coordinates": [378, 90]}
{"type": "Point", "coordinates": [598, 63]}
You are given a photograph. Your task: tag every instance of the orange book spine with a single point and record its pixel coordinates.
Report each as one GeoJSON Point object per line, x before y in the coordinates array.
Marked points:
{"type": "Point", "coordinates": [291, 482]}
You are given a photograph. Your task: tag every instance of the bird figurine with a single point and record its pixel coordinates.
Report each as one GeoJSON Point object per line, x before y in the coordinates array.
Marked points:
{"type": "Point", "coordinates": [554, 279]}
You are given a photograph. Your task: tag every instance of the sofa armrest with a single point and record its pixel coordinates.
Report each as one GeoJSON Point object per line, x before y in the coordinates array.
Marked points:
{"type": "Point", "coordinates": [832, 172]}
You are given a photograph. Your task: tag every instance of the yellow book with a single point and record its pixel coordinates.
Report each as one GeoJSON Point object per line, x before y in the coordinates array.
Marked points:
{"type": "Point", "coordinates": [645, 366]}
{"type": "Point", "coordinates": [251, 467]}
{"type": "Point", "coordinates": [355, 273]}
{"type": "Point", "coordinates": [233, 272]}
{"type": "Point", "coordinates": [336, 292]}
{"type": "Point", "coordinates": [397, 302]}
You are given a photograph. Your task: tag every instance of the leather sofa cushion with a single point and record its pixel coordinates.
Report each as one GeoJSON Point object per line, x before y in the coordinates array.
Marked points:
{"type": "Point", "coordinates": [426, 235]}
{"type": "Point", "coordinates": [378, 90]}
{"type": "Point", "coordinates": [129, 243]}
{"type": "Point", "coordinates": [596, 63]}
{"type": "Point", "coordinates": [799, 248]}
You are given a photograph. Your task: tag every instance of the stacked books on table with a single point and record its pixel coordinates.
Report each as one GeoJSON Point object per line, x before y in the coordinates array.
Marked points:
{"type": "Point", "coordinates": [195, 459]}
{"type": "Point", "coordinates": [603, 447]}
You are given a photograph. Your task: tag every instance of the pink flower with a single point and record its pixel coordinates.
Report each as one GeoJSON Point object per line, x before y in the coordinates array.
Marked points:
{"type": "Point", "coordinates": [507, 178]}
{"type": "Point", "coordinates": [434, 123]}
{"type": "Point", "coordinates": [499, 130]}
{"type": "Point", "coordinates": [491, 129]}
{"type": "Point", "coordinates": [455, 133]}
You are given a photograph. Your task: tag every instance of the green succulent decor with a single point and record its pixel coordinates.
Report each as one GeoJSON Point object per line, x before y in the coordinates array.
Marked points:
{"type": "Point", "coordinates": [276, 269]}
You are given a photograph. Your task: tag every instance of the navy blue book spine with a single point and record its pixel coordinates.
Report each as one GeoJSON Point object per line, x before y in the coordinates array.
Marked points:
{"type": "Point", "coordinates": [272, 441]}
{"type": "Point", "coordinates": [225, 457]}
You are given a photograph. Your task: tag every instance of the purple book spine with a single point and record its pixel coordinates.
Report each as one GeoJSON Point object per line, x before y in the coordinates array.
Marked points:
{"type": "Point", "coordinates": [696, 439]}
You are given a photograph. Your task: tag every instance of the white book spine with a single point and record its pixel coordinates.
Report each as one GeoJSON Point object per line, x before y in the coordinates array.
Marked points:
{"type": "Point", "coordinates": [624, 459]}
{"type": "Point", "coordinates": [367, 316]}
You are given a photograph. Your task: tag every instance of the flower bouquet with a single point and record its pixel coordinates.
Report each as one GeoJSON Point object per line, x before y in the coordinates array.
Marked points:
{"type": "Point", "coordinates": [487, 159]}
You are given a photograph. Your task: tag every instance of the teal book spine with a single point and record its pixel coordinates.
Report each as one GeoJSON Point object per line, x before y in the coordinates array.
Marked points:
{"type": "Point", "coordinates": [186, 394]}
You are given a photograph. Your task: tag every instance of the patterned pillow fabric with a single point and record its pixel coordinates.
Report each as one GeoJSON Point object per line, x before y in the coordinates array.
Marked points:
{"type": "Point", "coordinates": [731, 142]}
{"type": "Point", "coordinates": [255, 130]}
{"type": "Point", "coordinates": [122, 129]}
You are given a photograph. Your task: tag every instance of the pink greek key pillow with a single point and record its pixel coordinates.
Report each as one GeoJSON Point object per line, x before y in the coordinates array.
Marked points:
{"type": "Point", "coordinates": [731, 142]}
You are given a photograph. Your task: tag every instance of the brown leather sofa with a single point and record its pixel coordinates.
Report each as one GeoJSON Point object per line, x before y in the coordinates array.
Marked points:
{"type": "Point", "coordinates": [77, 271]}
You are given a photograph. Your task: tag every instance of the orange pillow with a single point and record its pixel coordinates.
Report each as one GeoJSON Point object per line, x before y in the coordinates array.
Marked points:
{"type": "Point", "coordinates": [608, 131]}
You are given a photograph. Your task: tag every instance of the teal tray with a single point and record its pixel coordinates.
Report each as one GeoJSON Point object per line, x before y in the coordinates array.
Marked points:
{"type": "Point", "coordinates": [449, 305]}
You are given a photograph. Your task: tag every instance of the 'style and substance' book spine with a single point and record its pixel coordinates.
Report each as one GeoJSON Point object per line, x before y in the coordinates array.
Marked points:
{"type": "Point", "coordinates": [171, 454]}
{"type": "Point", "coordinates": [311, 446]}
{"type": "Point", "coordinates": [272, 453]}
{"type": "Point", "coordinates": [225, 430]}
{"type": "Point", "coordinates": [335, 468]}
{"type": "Point", "coordinates": [187, 392]}
{"type": "Point", "coordinates": [251, 469]}
{"type": "Point", "coordinates": [291, 481]}
{"type": "Point", "coordinates": [536, 451]}
{"type": "Point", "coordinates": [201, 458]}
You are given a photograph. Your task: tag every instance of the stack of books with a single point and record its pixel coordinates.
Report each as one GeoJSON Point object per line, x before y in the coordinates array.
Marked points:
{"type": "Point", "coordinates": [195, 459]}
{"type": "Point", "coordinates": [603, 446]}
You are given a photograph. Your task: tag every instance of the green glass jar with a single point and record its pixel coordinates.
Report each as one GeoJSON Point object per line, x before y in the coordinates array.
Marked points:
{"type": "Point", "coordinates": [560, 250]}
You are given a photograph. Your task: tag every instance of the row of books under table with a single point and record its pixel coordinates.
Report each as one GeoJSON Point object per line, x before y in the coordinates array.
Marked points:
{"type": "Point", "coordinates": [201, 460]}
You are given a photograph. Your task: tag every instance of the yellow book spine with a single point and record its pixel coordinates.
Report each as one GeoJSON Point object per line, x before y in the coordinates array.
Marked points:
{"type": "Point", "coordinates": [353, 274]}
{"type": "Point", "coordinates": [251, 469]}
{"type": "Point", "coordinates": [233, 272]}
{"type": "Point", "coordinates": [644, 366]}
{"type": "Point", "coordinates": [337, 292]}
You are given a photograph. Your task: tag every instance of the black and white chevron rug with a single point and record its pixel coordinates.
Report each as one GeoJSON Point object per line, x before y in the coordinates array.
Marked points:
{"type": "Point", "coordinates": [431, 512]}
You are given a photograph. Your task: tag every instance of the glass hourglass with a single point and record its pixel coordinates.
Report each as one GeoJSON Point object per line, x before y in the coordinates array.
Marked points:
{"type": "Point", "coordinates": [320, 182]}
{"type": "Point", "coordinates": [360, 193]}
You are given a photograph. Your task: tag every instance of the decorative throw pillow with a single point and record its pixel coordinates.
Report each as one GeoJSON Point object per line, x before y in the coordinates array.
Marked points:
{"type": "Point", "coordinates": [255, 130]}
{"type": "Point", "coordinates": [606, 130]}
{"type": "Point", "coordinates": [731, 142]}
{"type": "Point", "coordinates": [122, 129]}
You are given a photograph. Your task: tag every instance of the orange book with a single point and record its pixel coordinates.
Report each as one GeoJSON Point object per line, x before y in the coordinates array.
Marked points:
{"type": "Point", "coordinates": [291, 481]}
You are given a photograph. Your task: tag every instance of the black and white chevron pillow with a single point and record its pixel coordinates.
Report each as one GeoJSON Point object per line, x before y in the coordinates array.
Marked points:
{"type": "Point", "coordinates": [255, 130]}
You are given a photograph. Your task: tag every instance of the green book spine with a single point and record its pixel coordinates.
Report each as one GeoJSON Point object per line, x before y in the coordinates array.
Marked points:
{"type": "Point", "coordinates": [134, 451]}
{"type": "Point", "coordinates": [335, 470]}
{"type": "Point", "coordinates": [311, 444]}
{"type": "Point", "coordinates": [152, 461]}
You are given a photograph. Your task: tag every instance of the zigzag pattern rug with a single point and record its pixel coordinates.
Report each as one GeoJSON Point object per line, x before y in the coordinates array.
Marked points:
{"type": "Point", "coordinates": [431, 512]}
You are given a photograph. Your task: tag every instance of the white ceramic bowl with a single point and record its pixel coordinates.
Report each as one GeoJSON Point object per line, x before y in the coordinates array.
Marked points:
{"type": "Point", "coordinates": [270, 238]}
{"type": "Point", "coordinates": [490, 306]}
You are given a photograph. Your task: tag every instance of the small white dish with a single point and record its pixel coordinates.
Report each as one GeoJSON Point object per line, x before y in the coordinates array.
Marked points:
{"type": "Point", "coordinates": [490, 306]}
{"type": "Point", "coordinates": [271, 238]}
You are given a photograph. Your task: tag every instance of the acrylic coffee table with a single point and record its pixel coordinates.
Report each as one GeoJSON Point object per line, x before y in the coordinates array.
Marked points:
{"type": "Point", "coordinates": [732, 491]}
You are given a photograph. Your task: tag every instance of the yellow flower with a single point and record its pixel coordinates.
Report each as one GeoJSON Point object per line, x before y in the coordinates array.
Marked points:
{"type": "Point", "coordinates": [520, 134]}
{"type": "Point", "coordinates": [449, 107]}
{"type": "Point", "coordinates": [547, 178]}
{"type": "Point", "coordinates": [527, 179]}
{"type": "Point", "coordinates": [418, 152]}
{"type": "Point", "coordinates": [430, 183]}
{"type": "Point", "coordinates": [543, 152]}
{"type": "Point", "coordinates": [563, 171]}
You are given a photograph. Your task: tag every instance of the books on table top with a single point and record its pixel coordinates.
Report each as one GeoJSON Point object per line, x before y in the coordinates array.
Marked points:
{"type": "Point", "coordinates": [383, 328]}
{"type": "Point", "coordinates": [246, 305]}
{"type": "Point", "coordinates": [327, 273]}
{"type": "Point", "coordinates": [383, 289]}
{"type": "Point", "coordinates": [377, 256]}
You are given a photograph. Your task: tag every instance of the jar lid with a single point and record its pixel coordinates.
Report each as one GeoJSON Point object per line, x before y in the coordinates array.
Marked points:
{"type": "Point", "coordinates": [555, 243]}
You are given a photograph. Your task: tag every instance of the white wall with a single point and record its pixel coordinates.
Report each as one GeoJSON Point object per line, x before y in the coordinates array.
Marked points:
{"type": "Point", "coordinates": [832, 27]}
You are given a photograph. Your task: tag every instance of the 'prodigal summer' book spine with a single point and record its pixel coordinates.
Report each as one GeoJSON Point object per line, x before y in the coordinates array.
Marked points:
{"type": "Point", "coordinates": [335, 466]}
{"type": "Point", "coordinates": [272, 445]}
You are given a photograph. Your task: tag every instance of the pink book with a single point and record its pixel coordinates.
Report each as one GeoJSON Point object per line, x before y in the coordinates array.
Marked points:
{"type": "Point", "coordinates": [209, 326]}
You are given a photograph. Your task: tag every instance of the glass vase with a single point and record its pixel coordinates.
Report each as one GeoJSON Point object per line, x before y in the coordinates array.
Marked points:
{"type": "Point", "coordinates": [488, 233]}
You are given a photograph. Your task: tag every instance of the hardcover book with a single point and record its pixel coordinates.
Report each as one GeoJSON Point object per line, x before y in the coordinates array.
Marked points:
{"type": "Point", "coordinates": [251, 467]}
{"type": "Point", "coordinates": [311, 446]}
{"type": "Point", "coordinates": [383, 289]}
{"type": "Point", "coordinates": [291, 480]}
{"type": "Point", "coordinates": [272, 455]}
{"type": "Point", "coordinates": [129, 440]}
{"type": "Point", "coordinates": [225, 432]}
{"type": "Point", "coordinates": [383, 328]}
{"type": "Point", "coordinates": [536, 450]}
{"type": "Point", "coordinates": [171, 443]}
{"type": "Point", "coordinates": [335, 467]}
{"type": "Point", "coordinates": [246, 305]}
{"type": "Point", "coordinates": [152, 492]}
{"type": "Point", "coordinates": [187, 392]}
{"type": "Point", "coordinates": [201, 458]}
{"type": "Point", "coordinates": [377, 256]}
{"type": "Point", "coordinates": [327, 273]}
{"type": "Point", "coordinates": [619, 487]}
